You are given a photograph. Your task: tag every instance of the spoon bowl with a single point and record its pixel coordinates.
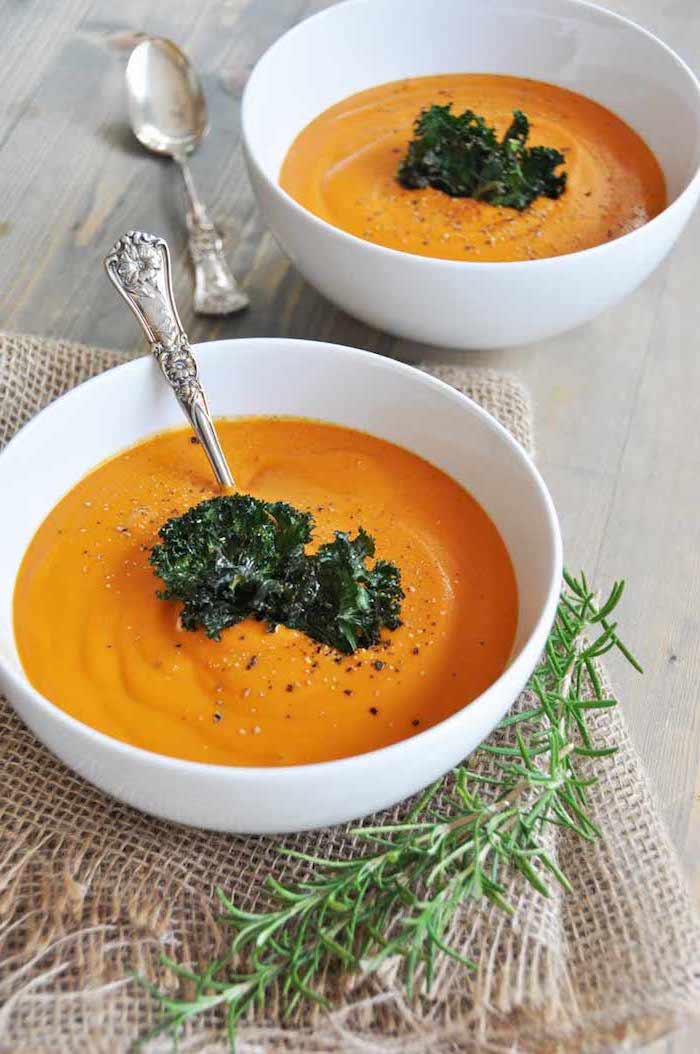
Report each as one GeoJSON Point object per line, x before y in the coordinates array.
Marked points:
{"type": "Point", "coordinates": [167, 107]}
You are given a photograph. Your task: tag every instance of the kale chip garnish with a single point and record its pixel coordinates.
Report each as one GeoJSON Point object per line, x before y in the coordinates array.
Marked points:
{"type": "Point", "coordinates": [461, 155]}
{"type": "Point", "coordinates": [229, 558]}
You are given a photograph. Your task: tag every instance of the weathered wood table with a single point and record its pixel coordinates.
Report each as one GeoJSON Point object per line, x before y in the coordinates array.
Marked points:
{"type": "Point", "coordinates": [616, 402]}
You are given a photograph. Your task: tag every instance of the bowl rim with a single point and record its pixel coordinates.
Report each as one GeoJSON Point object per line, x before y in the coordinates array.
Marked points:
{"type": "Point", "coordinates": [388, 254]}
{"type": "Point", "coordinates": [279, 774]}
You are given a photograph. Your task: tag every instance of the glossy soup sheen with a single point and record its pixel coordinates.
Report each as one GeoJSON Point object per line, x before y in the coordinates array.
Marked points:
{"type": "Point", "coordinates": [342, 167]}
{"type": "Point", "coordinates": [95, 640]}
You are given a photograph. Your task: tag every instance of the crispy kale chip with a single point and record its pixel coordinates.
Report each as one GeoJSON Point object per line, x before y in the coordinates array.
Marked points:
{"type": "Point", "coordinates": [461, 155]}
{"type": "Point", "coordinates": [233, 557]}
{"type": "Point", "coordinates": [228, 558]}
{"type": "Point", "coordinates": [339, 600]}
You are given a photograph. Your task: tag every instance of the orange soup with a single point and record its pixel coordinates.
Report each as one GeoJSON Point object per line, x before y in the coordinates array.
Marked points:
{"type": "Point", "coordinates": [342, 167]}
{"type": "Point", "coordinates": [95, 640]}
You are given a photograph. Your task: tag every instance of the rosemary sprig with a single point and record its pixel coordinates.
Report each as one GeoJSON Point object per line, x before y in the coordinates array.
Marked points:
{"type": "Point", "coordinates": [462, 839]}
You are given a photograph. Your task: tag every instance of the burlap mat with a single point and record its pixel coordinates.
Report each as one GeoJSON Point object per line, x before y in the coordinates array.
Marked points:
{"type": "Point", "coordinates": [91, 890]}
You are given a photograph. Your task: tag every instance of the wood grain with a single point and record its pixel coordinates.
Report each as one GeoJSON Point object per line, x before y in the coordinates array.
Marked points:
{"type": "Point", "coordinates": [616, 401]}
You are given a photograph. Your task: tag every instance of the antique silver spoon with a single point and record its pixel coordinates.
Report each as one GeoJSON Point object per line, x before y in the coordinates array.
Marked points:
{"type": "Point", "coordinates": [139, 267]}
{"type": "Point", "coordinates": [168, 114]}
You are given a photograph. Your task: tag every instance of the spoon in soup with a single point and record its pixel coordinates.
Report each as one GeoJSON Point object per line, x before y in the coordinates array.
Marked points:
{"type": "Point", "coordinates": [139, 268]}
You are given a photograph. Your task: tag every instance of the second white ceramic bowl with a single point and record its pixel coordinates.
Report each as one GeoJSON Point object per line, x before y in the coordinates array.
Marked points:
{"type": "Point", "coordinates": [349, 387]}
{"type": "Point", "coordinates": [356, 45]}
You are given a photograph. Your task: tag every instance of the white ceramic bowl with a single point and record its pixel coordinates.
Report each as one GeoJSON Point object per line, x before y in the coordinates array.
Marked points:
{"type": "Point", "coordinates": [337, 384]}
{"type": "Point", "coordinates": [471, 305]}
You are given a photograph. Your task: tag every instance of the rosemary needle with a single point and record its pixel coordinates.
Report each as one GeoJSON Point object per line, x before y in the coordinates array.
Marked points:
{"type": "Point", "coordinates": [462, 839]}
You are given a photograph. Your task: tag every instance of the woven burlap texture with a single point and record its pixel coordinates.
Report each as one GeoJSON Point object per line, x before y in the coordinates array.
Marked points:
{"type": "Point", "coordinates": [91, 890]}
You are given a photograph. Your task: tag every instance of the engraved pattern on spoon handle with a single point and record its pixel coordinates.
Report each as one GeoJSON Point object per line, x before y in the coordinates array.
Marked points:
{"type": "Point", "coordinates": [216, 291]}
{"type": "Point", "coordinates": [139, 268]}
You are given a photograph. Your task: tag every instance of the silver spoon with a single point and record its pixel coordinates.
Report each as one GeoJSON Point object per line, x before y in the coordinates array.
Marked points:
{"type": "Point", "coordinates": [139, 267]}
{"type": "Point", "coordinates": [168, 114]}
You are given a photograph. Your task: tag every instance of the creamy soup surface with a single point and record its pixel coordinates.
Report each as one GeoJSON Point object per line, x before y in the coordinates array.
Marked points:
{"type": "Point", "coordinates": [95, 640]}
{"type": "Point", "coordinates": [342, 167]}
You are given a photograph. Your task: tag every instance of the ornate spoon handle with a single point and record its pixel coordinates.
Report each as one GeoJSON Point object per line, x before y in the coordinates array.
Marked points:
{"type": "Point", "coordinates": [139, 267]}
{"type": "Point", "coordinates": [216, 291]}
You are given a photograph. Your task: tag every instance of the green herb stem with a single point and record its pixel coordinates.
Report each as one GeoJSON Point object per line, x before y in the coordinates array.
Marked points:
{"type": "Point", "coordinates": [464, 837]}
